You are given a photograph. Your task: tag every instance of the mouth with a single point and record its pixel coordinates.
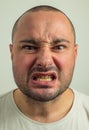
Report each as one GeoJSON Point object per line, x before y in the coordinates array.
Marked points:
{"type": "Point", "coordinates": [44, 77]}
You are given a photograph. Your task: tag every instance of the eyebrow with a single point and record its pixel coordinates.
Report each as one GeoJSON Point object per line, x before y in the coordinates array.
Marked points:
{"type": "Point", "coordinates": [38, 41]}
{"type": "Point", "coordinates": [33, 41]}
{"type": "Point", "coordinates": [59, 40]}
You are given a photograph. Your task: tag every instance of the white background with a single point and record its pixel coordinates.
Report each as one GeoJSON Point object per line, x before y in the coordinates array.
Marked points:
{"type": "Point", "coordinates": [78, 12]}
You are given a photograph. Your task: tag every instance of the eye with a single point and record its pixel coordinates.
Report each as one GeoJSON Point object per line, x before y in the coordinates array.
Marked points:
{"type": "Point", "coordinates": [29, 48]}
{"type": "Point", "coordinates": [59, 47]}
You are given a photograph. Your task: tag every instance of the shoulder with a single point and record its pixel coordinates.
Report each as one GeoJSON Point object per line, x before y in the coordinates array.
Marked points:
{"type": "Point", "coordinates": [4, 99]}
{"type": "Point", "coordinates": [82, 99]}
{"type": "Point", "coordinates": [83, 96]}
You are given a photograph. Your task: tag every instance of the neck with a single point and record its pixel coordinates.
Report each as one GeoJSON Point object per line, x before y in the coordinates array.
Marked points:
{"type": "Point", "coordinates": [45, 111]}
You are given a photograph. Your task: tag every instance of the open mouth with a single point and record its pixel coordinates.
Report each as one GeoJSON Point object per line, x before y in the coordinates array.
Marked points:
{"type": "Point", "coordinates": [44, 77]}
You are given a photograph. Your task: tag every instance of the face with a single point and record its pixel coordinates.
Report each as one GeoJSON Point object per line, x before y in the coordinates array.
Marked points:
{"type": "Point", "coordinates": [43, 55]}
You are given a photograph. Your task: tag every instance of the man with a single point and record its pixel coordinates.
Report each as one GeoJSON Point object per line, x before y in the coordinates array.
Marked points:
{"type": "Point", "coordinates": [43, 53]}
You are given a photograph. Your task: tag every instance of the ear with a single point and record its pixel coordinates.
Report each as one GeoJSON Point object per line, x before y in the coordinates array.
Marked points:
{"type": "Point", "coordinates": [76, 50]}
{"type": "Point", "coordinates": [11, 50]}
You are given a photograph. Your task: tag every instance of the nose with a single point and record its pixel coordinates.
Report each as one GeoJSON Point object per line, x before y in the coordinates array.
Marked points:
{"type": "Point", "coordinates": [44, 58]}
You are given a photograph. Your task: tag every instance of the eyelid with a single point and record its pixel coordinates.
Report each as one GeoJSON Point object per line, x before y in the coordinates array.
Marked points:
{"type": "Point", "coordinates": [29, 48]}
{"type": "Point", "coordinates": [59, 45]}
{"type": "Point", "coordinates": [29, 43]}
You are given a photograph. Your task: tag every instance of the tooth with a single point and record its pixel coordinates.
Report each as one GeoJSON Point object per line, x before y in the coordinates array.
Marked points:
{"type": "Point", "coordinates": [44, 78]}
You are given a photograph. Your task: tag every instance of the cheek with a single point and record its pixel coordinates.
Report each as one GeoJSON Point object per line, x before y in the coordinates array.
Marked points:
{"type": "Point", "coordinates": [23, 62]}
{"type": "Point", "coordinates": [64, 62]}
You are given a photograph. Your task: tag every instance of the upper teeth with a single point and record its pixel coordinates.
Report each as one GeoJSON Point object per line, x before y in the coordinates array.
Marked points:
{"type": "Point", "coordinates": [44, 78]}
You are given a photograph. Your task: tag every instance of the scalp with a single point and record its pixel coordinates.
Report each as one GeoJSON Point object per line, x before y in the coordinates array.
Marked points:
{"type": "Point", "coordinates": [42, 8]}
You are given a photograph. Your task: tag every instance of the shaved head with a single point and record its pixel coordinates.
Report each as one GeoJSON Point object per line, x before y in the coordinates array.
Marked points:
{"type": "Point", "coordinates": [42, 8]}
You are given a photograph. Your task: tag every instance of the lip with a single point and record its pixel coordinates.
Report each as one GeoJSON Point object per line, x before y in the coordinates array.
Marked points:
{"type": "Point", "coordinates": [44, 83]}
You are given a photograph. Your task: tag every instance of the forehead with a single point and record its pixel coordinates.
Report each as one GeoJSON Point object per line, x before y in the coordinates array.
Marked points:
{"type": "Point", "coordinates": [44, 16]}
{"type": "Point", "coordinates": [42, 23]}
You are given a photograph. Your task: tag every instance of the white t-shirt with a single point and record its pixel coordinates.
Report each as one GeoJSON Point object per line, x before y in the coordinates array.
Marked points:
{"type": "Point", "coordinates": [11, 118]}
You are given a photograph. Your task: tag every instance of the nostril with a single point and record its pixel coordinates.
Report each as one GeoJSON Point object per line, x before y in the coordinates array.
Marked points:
{"type": "Point", "coordinates": [39, 64]}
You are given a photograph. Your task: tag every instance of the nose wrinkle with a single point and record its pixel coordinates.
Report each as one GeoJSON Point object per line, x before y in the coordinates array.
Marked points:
{"type": "Point", "coordinates": [44, 56]}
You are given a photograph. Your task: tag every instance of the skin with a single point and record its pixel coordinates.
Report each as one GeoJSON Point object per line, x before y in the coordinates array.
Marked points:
{"type": "Point", "coordinates": [43, 45]}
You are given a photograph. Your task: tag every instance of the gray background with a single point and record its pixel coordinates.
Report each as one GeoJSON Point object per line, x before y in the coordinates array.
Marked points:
{"type": "Point", "coordinates": [78, 12]}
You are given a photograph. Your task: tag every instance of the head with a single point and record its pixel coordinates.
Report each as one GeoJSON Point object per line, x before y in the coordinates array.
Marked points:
{"type": "Point", "coordinates": [43, 53]}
